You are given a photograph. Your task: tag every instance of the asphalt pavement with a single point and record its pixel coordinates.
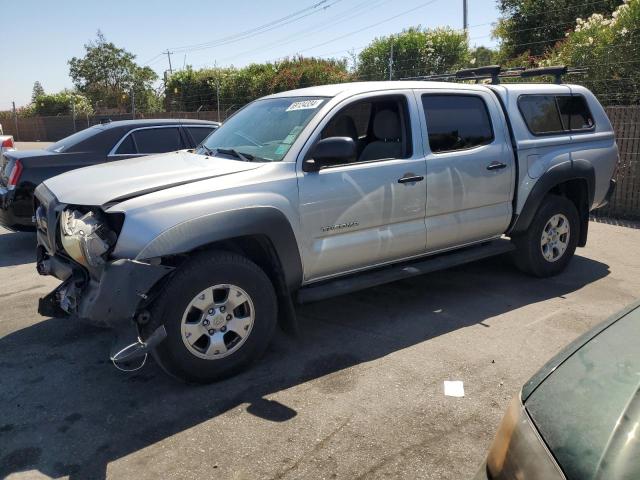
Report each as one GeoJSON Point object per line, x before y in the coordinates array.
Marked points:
{"type": "Point", "coordinates": [358, 395]}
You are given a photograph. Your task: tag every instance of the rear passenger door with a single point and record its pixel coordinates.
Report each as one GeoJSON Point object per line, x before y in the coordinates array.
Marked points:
{"type": "Point", "coordinates": [470, 171]}
{"type": "Point", "coordinates": [148, 141]}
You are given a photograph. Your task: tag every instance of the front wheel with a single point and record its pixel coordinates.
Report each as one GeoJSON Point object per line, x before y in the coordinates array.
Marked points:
{"type": "Point", "coordinates": [219, 311]}
{"type": "Point", "coordinates": [547, 247]}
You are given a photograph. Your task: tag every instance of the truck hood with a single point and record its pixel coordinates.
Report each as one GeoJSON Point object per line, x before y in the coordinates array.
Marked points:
{"type": "Point", "coordinates": [116, 181]}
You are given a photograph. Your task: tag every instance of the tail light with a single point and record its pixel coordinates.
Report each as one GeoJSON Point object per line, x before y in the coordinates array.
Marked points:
{"type": "Point", "coordinates": [14, 176]}
{"type": "Point", "coordinates": [8, 143]}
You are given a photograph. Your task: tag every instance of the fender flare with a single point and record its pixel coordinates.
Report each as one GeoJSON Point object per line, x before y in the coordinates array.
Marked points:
{"type": "Point", "coordinates": [557, 174]}
{"type": "Point", "coordinates": [253, 221]}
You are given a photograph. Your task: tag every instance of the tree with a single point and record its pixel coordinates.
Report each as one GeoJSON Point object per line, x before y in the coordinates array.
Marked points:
{"type": "Point", "coordinates": [608, 47]}
{"type": "Point", "coordinates": [533, 26]}
{"type": "Point", "coordinates": [482, 56]}
{"type": "Point", "coordinates": [37, 91]}
{"type": "Point", "coordinates": [108, 75]}
{"type": "Point", "coordinates": [416, 52]}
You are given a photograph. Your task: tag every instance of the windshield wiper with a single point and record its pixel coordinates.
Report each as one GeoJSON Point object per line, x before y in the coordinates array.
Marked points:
{"type": "Point", "coordinates": [206, 149]}
{"type": "Point", "coordinates": [247, 157]}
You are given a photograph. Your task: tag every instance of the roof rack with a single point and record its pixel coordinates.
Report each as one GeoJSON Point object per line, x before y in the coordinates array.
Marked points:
{"type": "Point", "coordinates": [495, 73]}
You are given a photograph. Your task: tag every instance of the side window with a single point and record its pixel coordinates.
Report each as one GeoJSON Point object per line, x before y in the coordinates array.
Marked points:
{"type": "Point", "coordinates": [127, 147]}
{"type": "Point", "coordinates": [547, 114]}
{"type": "Point", "coordinates": [456, 122]}
{"type": "Point", "coordinates": [199, 133]}
{"type": "Point", "coordinates": [575, 112]}
{"type": "Point", "coordinates": [379, 126]}
{"type": "Point", "coordinates": [541, 114]}
{"type": "Point", "coordinates": [359, 112]}
{"type": "Point", "coordinates": [158, 140]}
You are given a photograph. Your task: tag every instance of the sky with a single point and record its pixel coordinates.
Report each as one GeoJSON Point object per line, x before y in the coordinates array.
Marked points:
{"type": "Point", "coordinates": [40, 36]}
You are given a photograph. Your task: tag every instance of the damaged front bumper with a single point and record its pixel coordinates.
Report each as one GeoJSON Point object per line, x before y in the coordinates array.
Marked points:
{"type": "Point", "coordinates": [114, 300]}
{"type": "Point", "coordinates": [109, 301]}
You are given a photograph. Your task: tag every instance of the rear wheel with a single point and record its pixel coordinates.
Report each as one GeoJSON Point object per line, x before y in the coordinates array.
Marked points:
{"type": "Point", "coordinates": [219, 311]}
{"type": "Point", "coordinates": [547, 247]}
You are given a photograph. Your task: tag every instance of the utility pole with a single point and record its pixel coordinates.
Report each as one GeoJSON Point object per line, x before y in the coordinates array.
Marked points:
{"type": "Point", "coordinates": [133, 104]}
{"type": "Point", "coordinates": [169, 57]}
{"type": "Point", "coordinates": [15, 119]}
{"type": "Point", "coordinates": [391, 62]}
{"type": "Point", "coordinates": [465, 16]}
{"type": "Point", "coordinates": [218, 96]}
{"type": "Point", "coordinates": [215, 67]}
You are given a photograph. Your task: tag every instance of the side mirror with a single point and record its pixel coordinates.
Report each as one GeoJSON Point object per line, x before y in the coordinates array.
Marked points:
{"type": "Point", "coordinates": [330, 151]}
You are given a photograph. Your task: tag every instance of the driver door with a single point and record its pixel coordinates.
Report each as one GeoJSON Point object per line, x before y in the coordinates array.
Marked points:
{"type": "Point", "coordinates": [369, 211]}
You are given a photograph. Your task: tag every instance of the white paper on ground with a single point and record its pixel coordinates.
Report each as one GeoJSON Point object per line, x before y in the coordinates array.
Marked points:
{"type": "Point", "coordinates": [453, 388]}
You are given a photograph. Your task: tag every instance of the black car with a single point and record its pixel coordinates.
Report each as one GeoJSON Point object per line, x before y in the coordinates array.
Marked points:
{"type": "Point", "coordinates": [22, 171]}
{"type": "Point", "coordinates": [578, 418]}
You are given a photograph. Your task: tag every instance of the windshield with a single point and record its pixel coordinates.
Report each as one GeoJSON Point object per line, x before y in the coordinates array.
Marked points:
{"type": "Point", "coordinates": [265, 129]}
{"type": "Point", "coordinates": [72, 140]}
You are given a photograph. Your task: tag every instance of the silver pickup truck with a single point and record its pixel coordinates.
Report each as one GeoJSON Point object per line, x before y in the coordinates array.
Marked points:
{"type": "Point", "coordinates": [195, 256]}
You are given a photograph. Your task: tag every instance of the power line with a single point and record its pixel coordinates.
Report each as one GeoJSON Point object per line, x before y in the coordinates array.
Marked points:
{"type": "Point", "coordinates": [370, 26]}
{"type": "Point", "coordinates": [286, 20]}
{"type": "Point", "coordinates": [330, 22]}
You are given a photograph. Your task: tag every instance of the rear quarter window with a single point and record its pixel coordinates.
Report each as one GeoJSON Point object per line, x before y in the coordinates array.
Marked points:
{"type": "Point", "coordinates": [127, 147]}
{"type": "Point", "coordinates": [575, 113]}
{"type": "Point", "coordinates": [198, 134]}
{"type": "Point", "coordinates": [555, 114]}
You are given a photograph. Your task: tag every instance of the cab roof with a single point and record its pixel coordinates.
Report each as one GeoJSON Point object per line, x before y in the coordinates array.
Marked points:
{"type": "Point", "coordinates": [354, 88]}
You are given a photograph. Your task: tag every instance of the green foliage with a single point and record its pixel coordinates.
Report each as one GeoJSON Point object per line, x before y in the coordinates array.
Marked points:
{"type": "Point", "coordinates": [416, 51]}
{"type": "Point", "coordinates": [37, 91]}
{"type": "Point", "coordinates": [482, 56]}
{"type": "Point", "coordinates": [190, 90]}
{"type": "Point", "coordinates": [108, 75]}
{"type": "Point", "coordinates": [533, 26]}
{"type": "Point", "coordinates": [609, 48]}
{"type": "Point", "coordinates": [61, 103]}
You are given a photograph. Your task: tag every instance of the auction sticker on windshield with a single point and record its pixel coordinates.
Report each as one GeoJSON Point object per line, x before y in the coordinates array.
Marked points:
{"type": "Point", "coordinates": [304, 105]}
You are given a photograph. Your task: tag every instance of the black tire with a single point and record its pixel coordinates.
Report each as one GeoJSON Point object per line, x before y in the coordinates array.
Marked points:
{"type": "Point", "coordinates": [204, 270]}
{"type": "Point", "coordinates": [528, 256]}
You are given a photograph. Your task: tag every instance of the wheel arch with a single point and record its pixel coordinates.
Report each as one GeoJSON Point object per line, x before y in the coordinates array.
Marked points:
{"type": "Point", "coordinates": [265, 226]}
{"type": "Point", "coordinates": [574, 180]}
{"type": "Point", "coordinates": [262, 234]}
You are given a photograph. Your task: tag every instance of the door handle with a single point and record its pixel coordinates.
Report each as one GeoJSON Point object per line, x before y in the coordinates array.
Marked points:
{"type": "Point", "coordinates": [409, 178]}
{"type": "Point", "coordinates": [496, 165]}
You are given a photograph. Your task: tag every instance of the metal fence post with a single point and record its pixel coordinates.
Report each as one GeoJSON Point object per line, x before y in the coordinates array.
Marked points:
{"type": "Point", "coordinates": [73, 113]}
{"type": "Point", "coordinates": [15, 120]}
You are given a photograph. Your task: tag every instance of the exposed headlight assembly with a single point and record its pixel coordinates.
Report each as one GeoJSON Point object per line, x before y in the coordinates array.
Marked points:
{"type": "Point", "coordinates": [85, 236]}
